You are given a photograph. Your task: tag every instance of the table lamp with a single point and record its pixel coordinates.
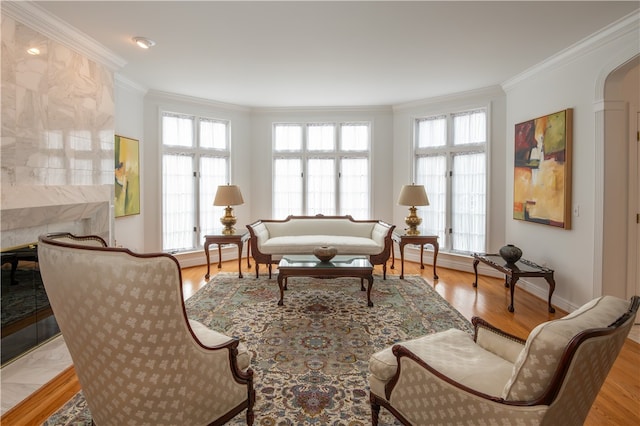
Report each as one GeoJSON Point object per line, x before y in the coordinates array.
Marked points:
{"type": "Point", "coordinates": [228, 195]}
{"type": "Point", "coordinates": [413, 195]}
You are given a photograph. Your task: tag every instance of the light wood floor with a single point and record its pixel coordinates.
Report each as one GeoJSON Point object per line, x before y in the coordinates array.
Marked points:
{"type": "Point", "coordinates": [618, 402]}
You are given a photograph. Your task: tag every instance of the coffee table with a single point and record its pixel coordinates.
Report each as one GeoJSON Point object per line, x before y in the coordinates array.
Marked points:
{"type": "Point", "coordinates": [340, 266]}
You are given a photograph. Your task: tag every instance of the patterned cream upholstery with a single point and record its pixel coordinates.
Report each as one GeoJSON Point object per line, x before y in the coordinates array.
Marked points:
{"type": "Point", "coordinates": [139, 360]}
{"type": "Point", "coordinates": [495, 378]}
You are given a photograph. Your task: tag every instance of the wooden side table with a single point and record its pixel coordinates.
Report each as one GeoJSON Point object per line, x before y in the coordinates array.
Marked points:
{"type": "Point", "coordinates": [419, 240]}
{"type": "Point", "coordinates": [221, 240]}
{"type": "Point", "coordinates": [513, 272]}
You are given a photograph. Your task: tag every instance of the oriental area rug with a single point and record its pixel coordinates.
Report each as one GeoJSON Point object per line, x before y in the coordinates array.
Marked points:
{"type": "Point", "coordinates": [310, 357]}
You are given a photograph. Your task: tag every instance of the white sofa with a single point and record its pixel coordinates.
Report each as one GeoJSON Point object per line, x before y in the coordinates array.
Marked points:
{"type": "Point", "coordinates": [271, 239]}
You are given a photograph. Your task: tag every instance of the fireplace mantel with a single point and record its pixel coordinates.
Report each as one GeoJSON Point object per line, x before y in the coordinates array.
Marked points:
{"type": "Point", "coordinates": [30, 210]}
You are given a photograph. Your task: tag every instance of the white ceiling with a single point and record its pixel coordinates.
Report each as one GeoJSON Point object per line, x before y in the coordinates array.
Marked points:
{"type": "Point", "coordinates": [329, 53]}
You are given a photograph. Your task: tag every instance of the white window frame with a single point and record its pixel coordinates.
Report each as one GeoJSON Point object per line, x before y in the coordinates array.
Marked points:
{"type": "Point", "coordinates": [449, 150]}
{"type": "Point", "coordinates": [196, 152]}
{"type": "Point", "coordinates": [337, 154]}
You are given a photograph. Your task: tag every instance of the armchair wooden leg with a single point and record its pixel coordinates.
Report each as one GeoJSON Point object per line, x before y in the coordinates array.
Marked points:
{"type": "Point", "coordinates": [375, 411]}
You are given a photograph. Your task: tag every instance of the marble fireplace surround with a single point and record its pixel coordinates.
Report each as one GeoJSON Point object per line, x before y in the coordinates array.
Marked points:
{"type": "Point", "coordinates": [26, 212]}
{"type": "Point", "coordinates": [31, 210]}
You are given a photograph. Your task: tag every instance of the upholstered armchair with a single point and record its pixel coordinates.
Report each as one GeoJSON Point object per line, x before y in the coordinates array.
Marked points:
{"type": "Point", "coordinates": [552, 378]}
{"type": "Point", "coordinates": [138, 358]}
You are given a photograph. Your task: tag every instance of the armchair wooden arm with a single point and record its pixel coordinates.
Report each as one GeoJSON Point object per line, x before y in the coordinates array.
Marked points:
{"type": "Point", "coordinates": [418, 392]}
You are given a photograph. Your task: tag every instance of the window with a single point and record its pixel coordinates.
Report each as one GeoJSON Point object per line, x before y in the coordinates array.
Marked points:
{"type": "Point", "coordinates": [195, 161]}
{"type": "Point", "coordinates": [450, 161]}
{"type": "Point", "coordinates": [321, 168]}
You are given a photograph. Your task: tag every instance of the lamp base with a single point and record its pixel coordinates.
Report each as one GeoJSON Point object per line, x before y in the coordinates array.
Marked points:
{"type": "Point", "coordinates": [228, 220]}
{"type": "Point", "coordinates": [412, 222]}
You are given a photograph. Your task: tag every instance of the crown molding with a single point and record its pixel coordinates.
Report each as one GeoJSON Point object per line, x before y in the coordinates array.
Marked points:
{"type": "Point", "coordinates": [481, 94]}
{"type": "Point", "coordinates": [56, 29]}
{"type": "Point", "coordinates": [323, 109]}
{"type": "Point", "coordinates": [126, 83]}
{"type": "Point", "coordinates": [174, 97]}
{"type": "Point", "coordinates": [619, 29]}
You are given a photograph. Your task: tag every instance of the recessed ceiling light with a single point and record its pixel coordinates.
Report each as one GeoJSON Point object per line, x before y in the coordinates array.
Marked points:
{"type": "Point", "coordinates": [33, 51]}
{"type": "Point", "coordinates": [144, 42]}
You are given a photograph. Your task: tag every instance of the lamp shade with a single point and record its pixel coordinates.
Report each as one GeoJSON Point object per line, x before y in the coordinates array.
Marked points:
{"type": "Point", "coordinates": [413, 195]}
{"type": "Point", "coordinates": [228, 195]}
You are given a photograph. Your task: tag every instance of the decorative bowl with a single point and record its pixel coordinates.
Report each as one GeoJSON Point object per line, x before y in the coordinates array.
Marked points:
{"type": "Point", "coordinates": [510, 253]}
{"type": "Point", "coordinates": [325, 253]}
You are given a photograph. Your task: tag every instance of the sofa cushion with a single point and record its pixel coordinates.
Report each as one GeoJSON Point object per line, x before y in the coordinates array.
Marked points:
{"type": "Point", "coordinates": [454, 354]}
{"type": "Point", "coordinates": [304, 244]}
{"type": "Point", "coordinates": [539, 359]}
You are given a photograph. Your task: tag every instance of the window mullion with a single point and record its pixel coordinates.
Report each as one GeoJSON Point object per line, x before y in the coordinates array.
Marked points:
{"type": "Point", "coordinates": [200, 140]}
{"type": "Point", "coordinates": [449, 204]}
{"type": "Point", "coordinates": [196, 190]}
{"type": "Point", "coordinates": [311, 144]}
{"type": "Point", "coordinates": [436, 137]}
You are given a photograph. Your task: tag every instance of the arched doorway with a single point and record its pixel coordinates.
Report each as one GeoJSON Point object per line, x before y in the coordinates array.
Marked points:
{"type": "Point", "coordinates": [618, 156]}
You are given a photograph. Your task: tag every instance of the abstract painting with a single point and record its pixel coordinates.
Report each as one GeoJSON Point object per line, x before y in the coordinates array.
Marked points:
{"type": "Point", "coordinates": [127, 177]}
{"type": "Point", "coordinates": [542, 170]}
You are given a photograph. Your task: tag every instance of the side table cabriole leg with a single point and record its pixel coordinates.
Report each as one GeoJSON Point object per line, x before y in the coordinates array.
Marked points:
{"type": "Point", "coordinates": [552, 287]}
{"type": "Point", "coordinates": [436, 248]}
{"type": "Point", "coordinates": [402, 261]}
{"type": "Point", "coordinates": [206, 251]}
{"type": "Point", "coordinates": [512, 284]}
{"type": "Point", "coordinates": [393, 256]}
{"type": "Point", "coordinates": [475, 270]}
{"type": "Point", "coordinates": [240, 260]}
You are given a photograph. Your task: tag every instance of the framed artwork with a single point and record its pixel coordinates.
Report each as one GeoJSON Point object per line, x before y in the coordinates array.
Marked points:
{"type": "Point", "coordinates": [127, 176]}
{"type": "Point", "coordinates": [542, 170]}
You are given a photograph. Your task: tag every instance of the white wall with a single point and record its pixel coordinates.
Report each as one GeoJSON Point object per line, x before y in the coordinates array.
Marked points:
{"type": "Point", "coordinates": [154, 104]}
{"type": "Point", "coordinates": [404, 115]}
{"type": "Point", "coordinates": [129, 230]}
{"type": "Point", "coordinates": [382, 149]}
{"type": "Point", "coordinates": [568, 80]}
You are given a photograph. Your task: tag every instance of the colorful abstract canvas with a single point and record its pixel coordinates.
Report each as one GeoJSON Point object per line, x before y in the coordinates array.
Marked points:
{"type": "Point", "coordinates": [542, 170]}
{"type": "Point", "coordinates": [127, 177]}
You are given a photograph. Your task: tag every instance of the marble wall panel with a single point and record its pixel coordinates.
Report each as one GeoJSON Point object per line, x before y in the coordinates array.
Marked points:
{"type": "Point", "coordinates": [58, 116]}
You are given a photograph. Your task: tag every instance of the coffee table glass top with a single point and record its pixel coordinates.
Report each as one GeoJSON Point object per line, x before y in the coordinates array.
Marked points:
{"type": "Point", "coordinates": [521, 265]}
{"type": "Point", "coordinates": [310, 261]}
